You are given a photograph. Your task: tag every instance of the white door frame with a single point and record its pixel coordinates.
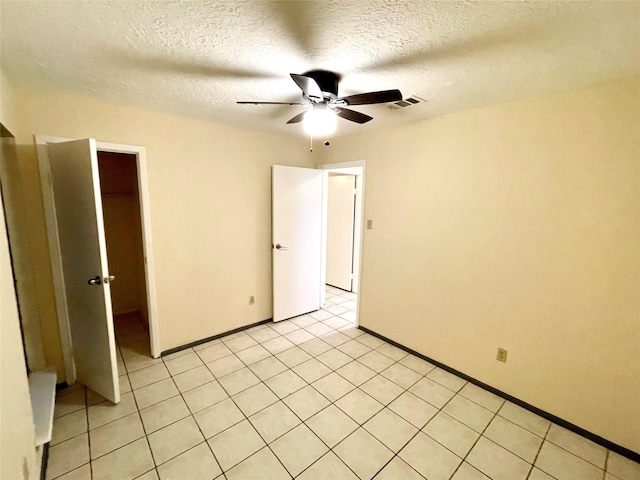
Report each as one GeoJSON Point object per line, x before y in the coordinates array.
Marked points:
{"type": "Point", "coordinates": [54, 245]}
{"type": "Point", "coordinates": [337, 167]}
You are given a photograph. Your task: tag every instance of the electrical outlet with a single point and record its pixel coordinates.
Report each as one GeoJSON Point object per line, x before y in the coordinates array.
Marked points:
{"type": "Point", "coordinates": [369, 224]}
{"type": "Point", "coordinates": [252, 300]}
{"type": "Point", "coordinates": [502, 355]}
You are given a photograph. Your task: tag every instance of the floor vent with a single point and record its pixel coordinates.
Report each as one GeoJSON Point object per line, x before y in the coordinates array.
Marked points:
{"type": "Point", "coordinates": [407, 102]}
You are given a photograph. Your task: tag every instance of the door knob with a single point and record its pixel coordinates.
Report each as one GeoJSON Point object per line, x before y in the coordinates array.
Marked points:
{"type": "Point", "coordinates": [280, 247]}
{"type": "Point", "coordinates": [109, 279]}
{"type": "Point", "coordinates": [95, 281]}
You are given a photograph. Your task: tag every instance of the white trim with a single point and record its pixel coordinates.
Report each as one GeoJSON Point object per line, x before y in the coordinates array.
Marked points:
{"type": "Point", "coordinates": [334, 166]}
{"type": "Point", "coordinates": [145, 214]}
{"type": "Point", "coordinates": [337, 167]}
{"type": "Point", "coordinates": [323, 242]}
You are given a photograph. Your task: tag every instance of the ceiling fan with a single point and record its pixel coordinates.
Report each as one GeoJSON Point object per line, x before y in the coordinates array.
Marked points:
{"type": "Point", "coordinates": [320, 91]}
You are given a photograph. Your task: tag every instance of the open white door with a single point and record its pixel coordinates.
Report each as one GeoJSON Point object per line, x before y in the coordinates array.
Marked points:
{"type": "Point", "coordinates": [340, 223]}
{"type": "Point", "coordinates": [78, 211]}
{"type": "Point", "coordinates": [297, 240]}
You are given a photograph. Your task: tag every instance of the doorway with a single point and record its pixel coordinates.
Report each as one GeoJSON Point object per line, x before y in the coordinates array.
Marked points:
{"type": "Point", "coordinates": [123, 231]}
{"type": "Point", "coordinates": [299, 244]}
{"type": "Point", "coordinates": [342, 239]}
{"type": "Point", "coordinates": [144, 309]}
{"type": "Point", "coordinates": [341, 214]}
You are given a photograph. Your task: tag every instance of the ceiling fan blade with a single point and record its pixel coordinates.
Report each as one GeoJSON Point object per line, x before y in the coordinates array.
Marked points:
{"type": "Point", "coordinates": [383, 96]}
{"type": "Point", "coordinates": [352, 115]}
{"type": "Point", "coordinates": [308, 86]}
{"type": "Point", "coordinates": [298, 118]}
{"type": "Point", "coordinates": [270, 103]}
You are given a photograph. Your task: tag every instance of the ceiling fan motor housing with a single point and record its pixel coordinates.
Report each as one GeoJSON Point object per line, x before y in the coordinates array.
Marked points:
{"type": "Point", "coordinates": [327, 81]}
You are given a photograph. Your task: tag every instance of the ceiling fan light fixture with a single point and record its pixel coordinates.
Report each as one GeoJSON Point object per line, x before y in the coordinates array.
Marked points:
{"type": "Point", "coordinates": [320, 122]}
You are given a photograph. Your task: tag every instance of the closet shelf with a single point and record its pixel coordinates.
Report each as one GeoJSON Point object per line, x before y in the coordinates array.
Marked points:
{"type": "Point", "coordinates": [116, 195]}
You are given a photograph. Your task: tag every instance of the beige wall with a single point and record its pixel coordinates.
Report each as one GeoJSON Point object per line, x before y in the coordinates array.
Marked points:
{"type": "Point", "coordinates": [13, 198]}
{"type": "Point", "coordinates": [516, 226]}
{"type": "Point", "coordinates": [210, 206]}
{"type": "Point", "coordinates": [40, 300]}
{"type": "Point", "coordinates": [17, 451]}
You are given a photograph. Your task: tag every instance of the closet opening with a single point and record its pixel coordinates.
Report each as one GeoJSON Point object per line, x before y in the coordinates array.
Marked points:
{"type": "Point", "coordinates": [123, 231]}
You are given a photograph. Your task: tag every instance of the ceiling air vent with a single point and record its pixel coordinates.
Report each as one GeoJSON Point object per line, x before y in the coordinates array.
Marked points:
{"type": "Point", "coordinates": [407, 102]}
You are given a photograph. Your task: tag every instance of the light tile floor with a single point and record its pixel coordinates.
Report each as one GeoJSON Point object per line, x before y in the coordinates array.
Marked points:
{"type": "Point", "coordinates": [311, 398]}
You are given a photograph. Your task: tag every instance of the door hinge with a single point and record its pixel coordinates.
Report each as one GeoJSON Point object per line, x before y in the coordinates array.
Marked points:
{"type": "Point", "coordinates": [351, 276]}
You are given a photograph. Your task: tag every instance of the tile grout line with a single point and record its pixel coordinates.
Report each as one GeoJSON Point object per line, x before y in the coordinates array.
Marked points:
{"type": "Point", "coordinates": [397, 454]}
{"type": "Point", "coordinates": [247, 366]}
{"type": "Point", "coordinates": [88, 431]}
{"type": "Point", "coordinates": [419, 430]}
{"type": "Point", "coordinates": [173, 423]}
{"type": "Point", "coordinates": [267, 444]}
{"type": "Point", "coordinates": [86, 402]}
{"type": "Point", "coordinates": [560, 447]}
{"type": "Point", "coordinates": [607, 451]}
{"type": "Point", "coordinates": [180, 393]}
{"type": "Point", "coordinates": [146, 436]}
{"type": "Point", "coordinates": [216, 378]}
{"type": "Point", "coordinates": [91, 460]}
{"type": "Point", "coordinates": [376, 438]}
{"type": "Point", "coordinates": [331, 370]}
{"type": "Point", "coordinates": [156, 465]}
{"type": "Point", "coordinates": [352, 359]}
{"type": "Point", "coordinates": [495, 414]}
{"type": "Point", "coordinates": [356, 387]}
{"type": "Point", "coordinates": [336, 406]}
{"type": "Point", "coordinates": [135, 401]}
{"type": "Point", "coordinates": [533, 465]}
{"type": "Point", "coordinates": [308, 384]}
{"type": "Point", "coordinates": [262, 381]}
{"type": "Point", "coordinates": [303, 422]}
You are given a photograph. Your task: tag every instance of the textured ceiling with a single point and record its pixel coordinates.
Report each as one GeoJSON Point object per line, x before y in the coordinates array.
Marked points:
{"type": "Point", "coordinates": [197, 58]}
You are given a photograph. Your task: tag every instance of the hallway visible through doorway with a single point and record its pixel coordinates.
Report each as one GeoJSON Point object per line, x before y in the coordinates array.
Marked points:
{"type": "Point", "coordinates": [341, 305]}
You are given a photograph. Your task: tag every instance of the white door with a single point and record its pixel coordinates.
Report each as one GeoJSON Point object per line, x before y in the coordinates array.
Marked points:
{"type": "Point", "coordinates": [297, 240]}
{"type": "Point", "coordinates": [340, 221]}
{"type": "Point", "coordinates": [78, 207]}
